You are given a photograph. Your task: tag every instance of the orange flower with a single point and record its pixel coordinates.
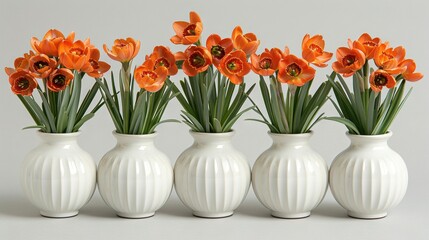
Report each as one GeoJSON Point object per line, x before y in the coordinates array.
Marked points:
{"type": "Point", "coordinates": [348, 61]}
{"type": "Point", "coordinates": [123, 50]}
{"type": "Point", "coordinates": [218, 47]}
{"type": "Point", "coordinates": [246, 42]}
{"type": "Point", "coordinates": [162, 56]}
{"type": "Point", "coordinates": [234, 66]}
{"type": "Point", "coordinates": [98, 67]}
{"type": "Point", "coordinates": [75, 55]}
{"type": "Point", "coordinates": [41, 65]}
{"type": "Point", "coordinates": [20, 63]}
{"type": "Point", "coordinates": [409, 73]}
{"type": "Point", "coordinates": [59, 79]}
{"type": "Point", "coordinates": [266, 63]}
{"type": "Point", "coordinates": [196, 59]}
{"type": "Point", "coordinates": [22, 82]}
{"type": "Point", "coordinates": [313, 50]}
{"type": "Point", "coordinates": [150, 77]}
{"type": "Point", "coordinates": [388, 59]}
{"type": "Point", "coordinates": [380, 79]}
{"type": "Point", "coordinates": [50, 42]}
{"type": "Point", "coordinates": [284, 53]}
{"type": "Point", "coordinates": [295, 71]}
{"type": "Point", "coordinates": [366, 44]}
{"type": "Point", "coordinates": [187, 32]}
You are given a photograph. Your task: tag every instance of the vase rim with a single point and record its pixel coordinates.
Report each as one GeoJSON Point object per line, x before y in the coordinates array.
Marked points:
{"type": "Point", "coordinates": [384, 135]}
{"type": "Point", "coordinates": [230, 133]}
{"type": "Point", "coordinates": [149, 135]}
{"type": "Point", "coordinates": [72, 134]}
{"type": "Point", "coordinates": [290, 134]}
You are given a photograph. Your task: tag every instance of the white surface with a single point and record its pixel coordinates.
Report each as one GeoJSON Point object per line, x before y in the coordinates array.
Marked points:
{"type": "Point", "coordinates": [368, 157]}
{"type": "Point", "coordinates": [276, 23]}
{"type": "Point", "coordinates": [212, 177]}
{"type": "Point", "coordinates": [135, 178]}
{"type": "Point", "coordinates": [290, 178]}
{"type": "Point", "coordinates": [58, 176]}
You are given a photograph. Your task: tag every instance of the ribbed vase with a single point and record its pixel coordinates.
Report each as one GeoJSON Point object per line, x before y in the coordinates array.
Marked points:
{"type": "Point", "coordinates": [135, 178]}
{"type": "Point", "coordinates": [290, 178]}
{"type": "Point", "coordinates": [58, 176]}
{"type": "Point", "coordinates": [211, 177]}
{"type": "Point", "coordinates": [368, 178]}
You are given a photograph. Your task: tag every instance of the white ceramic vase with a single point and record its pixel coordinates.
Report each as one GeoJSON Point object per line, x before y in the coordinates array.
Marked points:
{"type": "Point", "coordinates": [211, 177]}
{"type": "Point", "coordinates": [135, 178]}
{"type": "Point", "coordinates": [290, 178]}
{"type": "Point", "coordinates": [368, 178]}
{"type": "Point", "coordinates": [58, 176]}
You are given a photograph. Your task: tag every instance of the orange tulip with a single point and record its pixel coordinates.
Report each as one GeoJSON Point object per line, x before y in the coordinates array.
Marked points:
{"type": "Point", "coordinates": [97, 68]}
{"type": "Point", "coordinates": [123, 50]}
{"type": "Point", "coordinates": [162, 56]}
{"type": "Point", "coordinates": [267, 62]}
{"type": "Point", "coordinates": [313, 50]}
{"type": "Point", "coordinates": [246, 42]}
{"type": "Point", "coordinates": [75, 55]}
{"type": "Point", "coordinates": [295, 71]}
{"type": "Point", "coordinates": [196, 59]}
{"type": "Point", "coordinates": [218, 47]}
{"type": "Point", "coordinates": [50, 42]}
{"type": "Point", "coordinates": [20, 63]}
{"type": "Point", "coordinates": [150, 77]}
{"type": "Point", "coordinates": [187, 32]}
{"type": "Point", "coordinates": [41, 65]}
{"type": "Point", "coordinates": [348, 61]}
{"type": "Point", "coordinates": [409, 73]}
{"type": "Point", "coordinates": [380, 79]}
{"type": "Point", "coordinates": [22, 82]}
{"type": "Point", "coordinates": [388, 59]}
{"type": "Point", "coordinates": [234, 66]}
{"type": "Point", "coordinates": [284, 53]}
{"type": "Point", "coordinates": [59, 79]}
{"type": "Point", "coordinates": [366, 44]}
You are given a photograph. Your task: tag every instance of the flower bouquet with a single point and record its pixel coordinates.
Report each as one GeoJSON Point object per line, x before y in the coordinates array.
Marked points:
{"type": "Point", "coordinates": [369, 178]}
{"type": "Point", "coordinates": [58, 176]}
{"type": "Point", "coordinates": [212, 97]}
{"type": "Point", "coordinates": [290, 178]}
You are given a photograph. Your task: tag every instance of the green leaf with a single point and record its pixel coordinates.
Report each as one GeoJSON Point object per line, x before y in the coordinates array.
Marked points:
{"type": "Point", "coordinates": [82, 121]}
{"type": "Point", "coordinates": [47, 111]}
{"type": "Point", "coordinates": [346, 122]}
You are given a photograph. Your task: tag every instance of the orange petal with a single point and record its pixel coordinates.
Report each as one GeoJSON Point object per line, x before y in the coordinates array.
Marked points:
{"type": "Point", "coordinates": [194, 17]}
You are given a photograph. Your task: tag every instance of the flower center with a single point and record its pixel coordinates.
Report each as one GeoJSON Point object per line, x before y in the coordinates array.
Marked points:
{"type": "Point", "coordinates": [388, 55]}
{"type": "Point", "coordinates": [380, 80]}
{"type": "Point", "coordinates": [293, 70]}
{"type": "Point", "coordinates": [162, 62]}
{"type": "Point", "coordinates": [40, 64]}
{"type": "Point", "coordinates": [149, 74]}
{"type": "Point", "coordinates": [94, 63]}
{"type": "Point", "coordinates": [218, 52]}
{"type": "Point", "coordinates": [76, 51]}
{"type": "Point", "coordinates": [349, 60]}
{"type": "Point", "coordinates": [23, 83]}
{"type": "Point", "coordinates": [197, 60]}
{"type": "Point", "coordinates": [59, 81]}
{"type": "Point", "coordinates": [234, 65]}
{"type": "Point", "coordinates": [265, 63]}
{"type": "Point", "coordinates": [315, 48]}
{"type": "Point", "coordinates": [189, 30]}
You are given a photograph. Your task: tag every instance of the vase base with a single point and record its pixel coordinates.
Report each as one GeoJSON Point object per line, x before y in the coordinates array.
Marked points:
{"type": "Point", "coordinates": [213, 215]}
{"type": "Point", "coordinates": [290, 215]}
{"type": "Point", "coordinates": [59, 214]}
{"type": "Point", "coordinates": [366, 215]}
{"type": "Point", "coordinates": [135, 215]}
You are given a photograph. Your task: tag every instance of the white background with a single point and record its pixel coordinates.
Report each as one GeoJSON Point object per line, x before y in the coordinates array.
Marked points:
{"type": "Point", "coordinates": [276, 23]}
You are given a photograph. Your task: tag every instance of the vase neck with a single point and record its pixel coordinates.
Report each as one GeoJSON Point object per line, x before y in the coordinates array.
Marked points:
{"type": "Point", "coordinates": [59, 138]}
{"type": "Point", "coordinates": [130, 139]}
{"type": "Point", "coordinates": [212, 138]}
{"type": "Point", "coordinates": [301, 139]}
{"type": "Point", "coordinates": [369, 140]}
